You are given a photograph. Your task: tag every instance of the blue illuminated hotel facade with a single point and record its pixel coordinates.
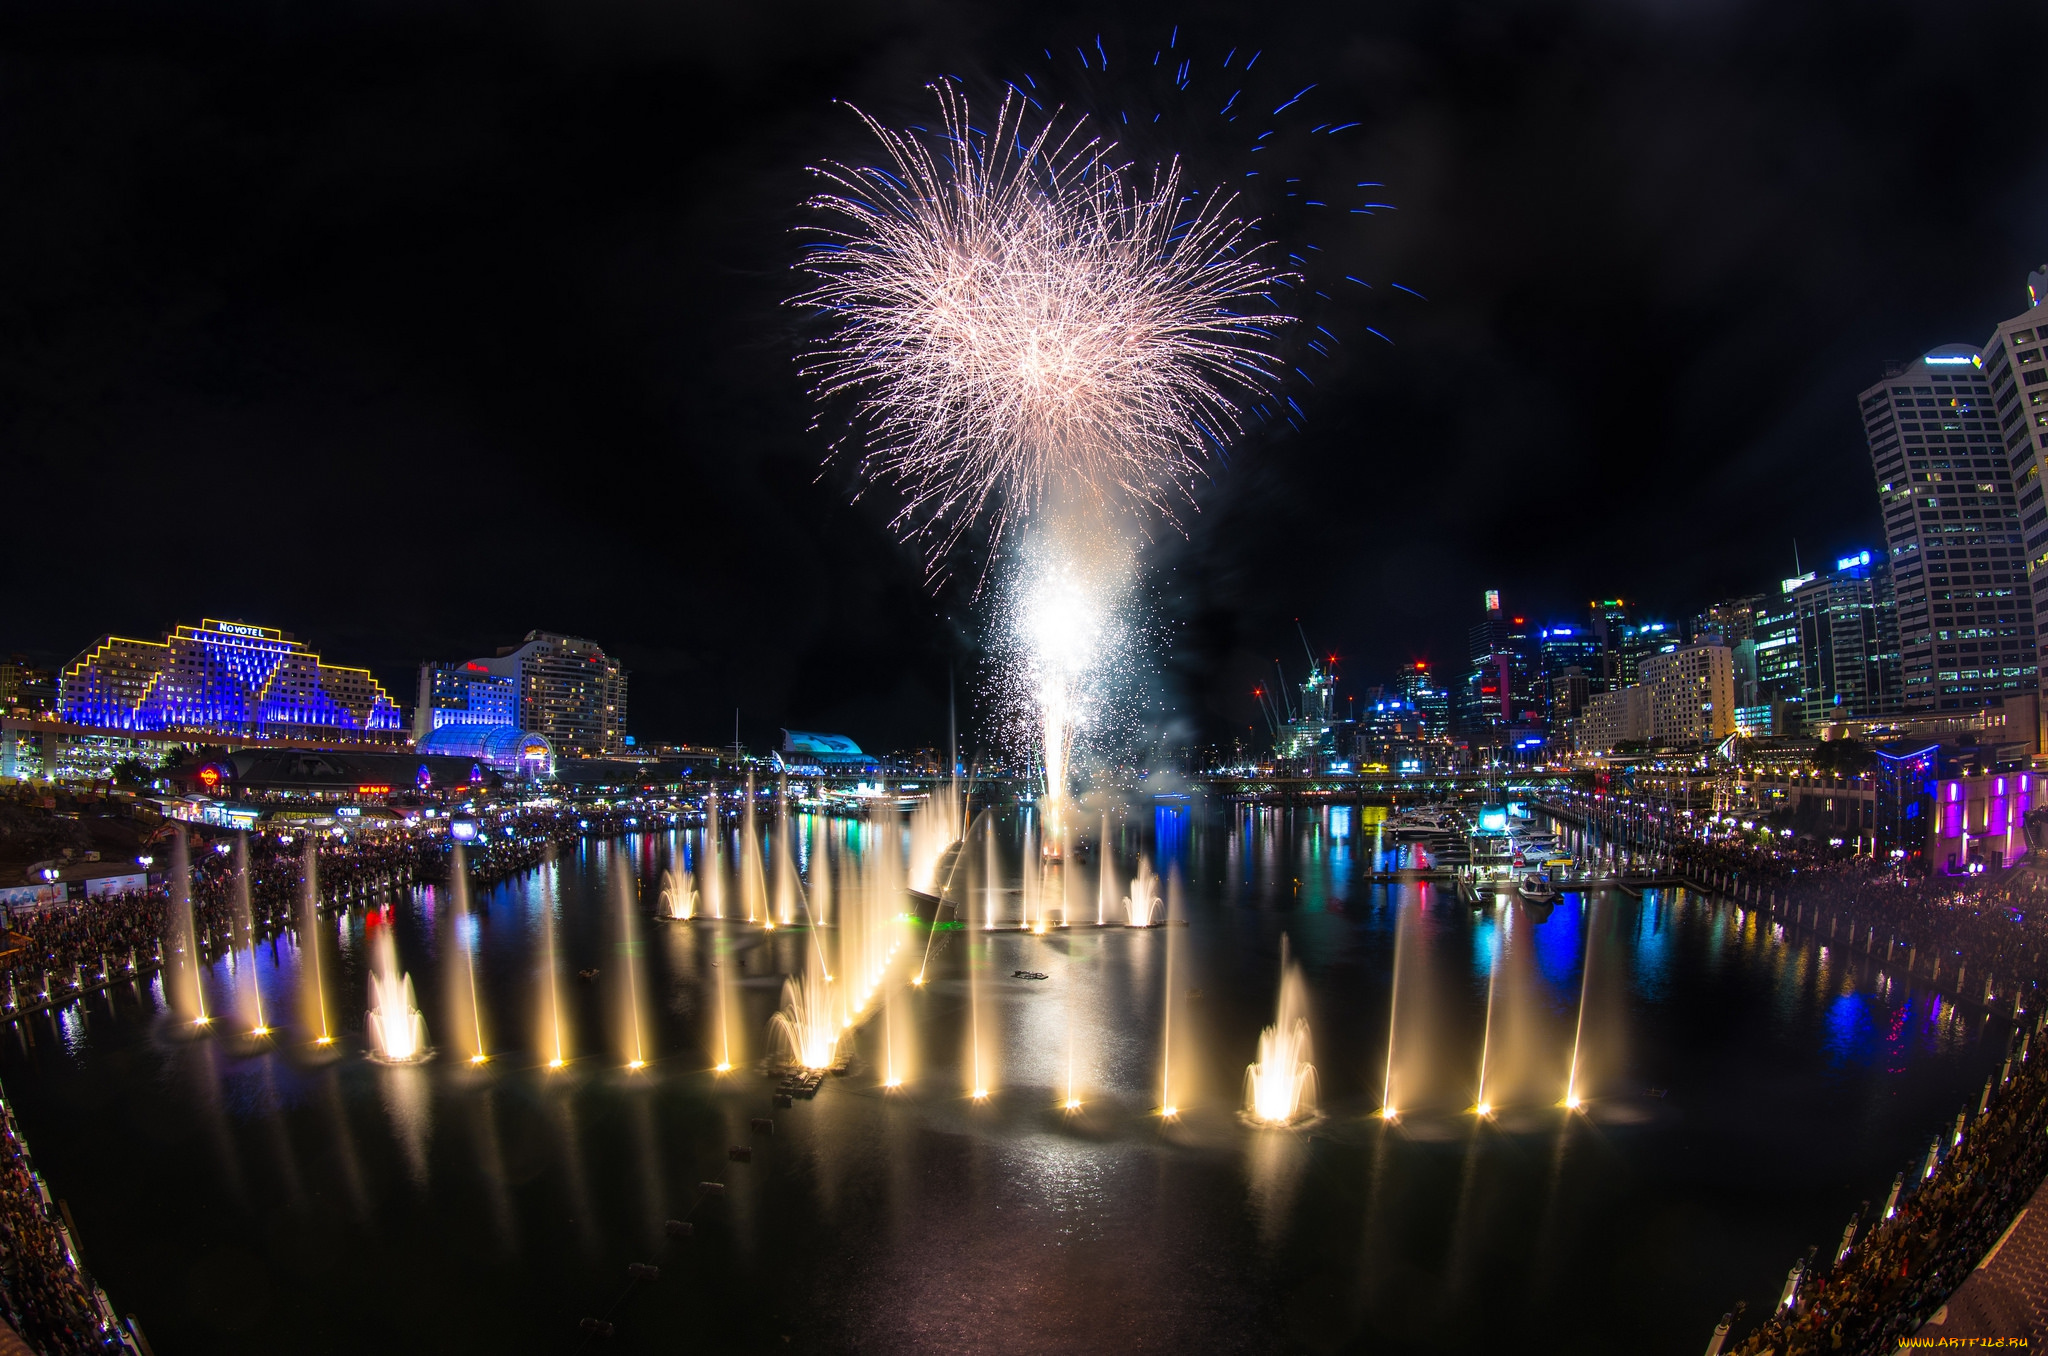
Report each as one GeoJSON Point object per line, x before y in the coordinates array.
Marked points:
{"type": "Point", "coordinates": [222, 678]}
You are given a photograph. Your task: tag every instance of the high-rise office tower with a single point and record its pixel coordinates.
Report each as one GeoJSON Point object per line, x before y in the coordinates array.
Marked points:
{"type": "Point", "coordinates": [1848, 641]}
{"type": "Point", "coordinates": [1428, 698]}
{"type": "Point", "coordinates": [1773, 704]}
{"type": "Point", "coordinates": [2016, 364]}
{"type": "Point", "coordinates": [1567, 658]}
{"type": "Point", "coordinates": [1952, 524]}
{"type": "Point", "coordinates": [1735, 622]}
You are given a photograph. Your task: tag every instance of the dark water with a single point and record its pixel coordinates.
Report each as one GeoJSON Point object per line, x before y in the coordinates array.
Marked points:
{"type": "Point", "coordinates": [243, 1200]}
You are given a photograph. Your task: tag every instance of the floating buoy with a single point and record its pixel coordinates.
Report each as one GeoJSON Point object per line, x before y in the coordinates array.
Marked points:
{"type": "Point", "coordinates": [677, 1228]}
{"type": "Point", "coordinates": [761, 1125]}
{"type": "Point", "coordinates": [739, 1153]}
{"type": "Point", "coordinates": [784, 1099]}
{"type": "Point", "coordinates": [711, 1188]}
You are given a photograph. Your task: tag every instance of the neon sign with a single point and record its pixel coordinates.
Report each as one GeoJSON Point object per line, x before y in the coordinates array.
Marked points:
{"type": "Point", "coordinates": [209, 776]}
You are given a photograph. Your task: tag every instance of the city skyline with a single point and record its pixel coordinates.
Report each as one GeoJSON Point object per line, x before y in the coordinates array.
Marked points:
{"type": "Point", "coordinates": [1672, 337]}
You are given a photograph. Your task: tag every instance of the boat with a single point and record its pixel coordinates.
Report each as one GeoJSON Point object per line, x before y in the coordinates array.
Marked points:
{"type": "Point", "coordinates": [1536, 890]}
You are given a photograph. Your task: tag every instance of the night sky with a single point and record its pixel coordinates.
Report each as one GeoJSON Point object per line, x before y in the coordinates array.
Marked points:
{"type": "Point", "coordinates": [409, 328]}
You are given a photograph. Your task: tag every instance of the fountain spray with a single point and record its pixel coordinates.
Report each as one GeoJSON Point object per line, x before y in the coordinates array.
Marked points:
{"type": "Point", "coordinates": [753, 889]}
{"type": "Point", "coordinates": [1280, 1088]}
{"type": "Point", "coordinates": [785, 859]}
{"type": "Point", "coordinates": [552, 1039]}
{"type": "Point", "coordinates": [192, 994]}
{"type": "Point", "coordinates": [977, 1081]}
{"type": "Point", "coordinates": [989, 877]}
{"type": "Point", "coordinates": [889, 1078]}
{"type": "Point", "coordinates": [1033, 880]}
{"type": "Point", "coordinates": [819, 895]}
{"type": "Point", "coordinates": [678, 892]}
{"type": "Point", "coordinates": [396, 1031]}
{"type": "Point", "coordinates": [1168, 1107]}
{"type": "Point", "coordinates": [1143, 899]}
{"type": "Point", "coordinates": [714, 856]}
{"type": "Point", "coordinates": [1481, 1106]}
{"type": "Point", "coordinates": [245, 921]}
{"type": "Point", "coordinates": [1571, 1084]}
{"type": "Point", "coordinates": [1388, 1110]}
{"type": "Point", "coordinates": [1105, 878]}
{"type": "Point", "coordinates": [309, 938]}
{"type": "Point", "coordinates": [719, 963]}
{"type": "Point", "coordinates": [629, 947]}
{"type": "Point", "coordinates": [464, 927]}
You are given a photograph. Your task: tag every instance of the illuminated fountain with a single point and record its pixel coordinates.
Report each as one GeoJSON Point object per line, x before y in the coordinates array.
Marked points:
{"type": "Point", "coordinates": [753, 887]}
{"type": "Point", "coordinates": [632, 1022]}
{"type": "Point", "coordinates": [554, 1035]}
{"type": "Point", "coordinates": [465, 1002]}
{"type": "Point", "coordinates": [245, 924]}
{"type": "Point", "coordinates": [934, 827]}
{"type": "Point", "coordinates": [1280, 1088]}
{"type": "Point", "coordinates": [785, 859]}
{"type": "Point", "coordinates": [188, 995]}
{"type": "Point", "coordinates": [313, 995]}
{"type": "Point", "coordinates": [1105, 880]}
{"type": "Point", "coordinates": [713, 865]}
{"type": "Point", "coordinates": [1143, 900]}
{"type": "Point", "coordinates": [397, 1032]}
{"type": "Point", "coordinates": [678, 893]}
{"type": "Point", "coordinates": [806, 1031]}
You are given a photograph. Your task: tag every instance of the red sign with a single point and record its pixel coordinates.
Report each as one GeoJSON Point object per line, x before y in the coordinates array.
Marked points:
{"type": "Point", "coordinates": [209, 776]}
{"type": "Point", "coordinates": [373, 790]}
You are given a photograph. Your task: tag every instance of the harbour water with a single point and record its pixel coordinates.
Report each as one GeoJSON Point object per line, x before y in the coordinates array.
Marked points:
{"type": "Point", "coordinates": [1741, 1094]}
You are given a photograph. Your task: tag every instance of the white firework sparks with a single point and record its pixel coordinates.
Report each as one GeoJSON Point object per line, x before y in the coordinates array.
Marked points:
{"type": "Point", "coordinates": [1020, 323]}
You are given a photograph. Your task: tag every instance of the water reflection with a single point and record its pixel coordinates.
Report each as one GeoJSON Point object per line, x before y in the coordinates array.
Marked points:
{"type": "Point", "coordinates": [1754, 1086]}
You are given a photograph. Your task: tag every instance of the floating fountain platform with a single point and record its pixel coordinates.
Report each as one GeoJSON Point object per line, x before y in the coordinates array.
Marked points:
{"type": "Point", "coordinates": [802, 1083]}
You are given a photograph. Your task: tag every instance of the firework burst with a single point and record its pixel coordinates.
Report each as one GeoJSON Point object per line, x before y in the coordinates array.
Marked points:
{"type": "Point", "coordinates": [1020, 321]}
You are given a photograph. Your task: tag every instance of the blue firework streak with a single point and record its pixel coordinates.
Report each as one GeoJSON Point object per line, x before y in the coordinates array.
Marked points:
{"type": "Point", "coordinates": [1286, 141]}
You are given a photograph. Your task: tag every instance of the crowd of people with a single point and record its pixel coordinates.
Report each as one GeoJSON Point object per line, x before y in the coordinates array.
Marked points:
{"type": "Point", "coordinates": [1993, 925]}
{"type": "Point", "coordinates": [47, 1300]}
{"type": "Point", "coordinates": [1900, 1271]}
{"type": "Point", "coordinates": [231, 904]}
{"type": "Point", "coordinates": [236, 888]}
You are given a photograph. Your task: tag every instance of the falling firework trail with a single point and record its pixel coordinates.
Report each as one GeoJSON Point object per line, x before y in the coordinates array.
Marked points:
{"type": "Point", "coordinates": [1018, 319]}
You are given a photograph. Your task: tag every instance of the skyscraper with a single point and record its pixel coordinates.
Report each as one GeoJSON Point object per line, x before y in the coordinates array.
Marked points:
{"type": "Point", "coordinates": [1567, 660]}
{"type": "Point", "coordinates": [1501, 690]}
{"type": "Point", "coordinates": [1848, 641]}
{"type": "Point", "coordinates": [2018, 377]}
{"type": "Point", "coordinates": [1775, 703]}
{"type": "Point", "coordinates": [1952, 524]}
{"type": "Point", "coordinates": [1428, 698]}
{"type": "Point", "coordinates": [1735, 622]}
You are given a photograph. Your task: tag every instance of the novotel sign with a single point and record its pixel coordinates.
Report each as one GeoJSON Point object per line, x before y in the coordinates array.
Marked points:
{"type": "Point", "coordinates": [236, 629]}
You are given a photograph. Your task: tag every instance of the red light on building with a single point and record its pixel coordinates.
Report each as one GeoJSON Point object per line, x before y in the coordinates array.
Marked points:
{"type": "Point", "coordinates": [373, 790]}
{"type": "Point", "coordinates": [209, 776]}
{"type": "Point", "coordinates": [475, 667]}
